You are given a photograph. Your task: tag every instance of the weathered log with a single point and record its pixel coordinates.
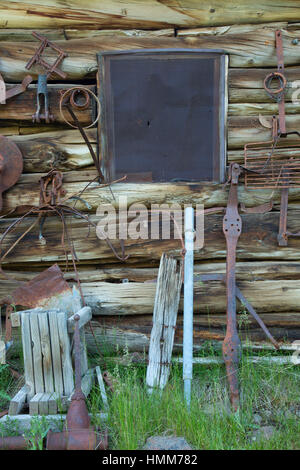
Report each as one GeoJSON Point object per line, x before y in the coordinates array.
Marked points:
{"type": "Point", "coordinates": [23, 106]}
{"type": "Point", "coordinates": [246, 270]}
{"type": "Point", "coordinates": [258, 241]}
{"type": "Point", "coordinates": [143, 14]}
{"type": "Point", "coordinates": [61, 34]}
{"type": "Point", "coordinates": [255, 48]}
{"type": "Point", "coordinates": [26, 190]}
{"type": "Point", "coordinates": [133, 333]}
{"type": "Point", "coordinates": [255, 109]}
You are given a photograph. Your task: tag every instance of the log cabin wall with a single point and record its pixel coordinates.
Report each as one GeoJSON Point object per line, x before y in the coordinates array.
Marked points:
{"type": "Point", "coordinates": [268, 275]}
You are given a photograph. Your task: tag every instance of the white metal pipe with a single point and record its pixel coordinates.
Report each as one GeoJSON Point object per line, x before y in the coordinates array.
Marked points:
{"type": "Point", "coordinates": [188, 303]}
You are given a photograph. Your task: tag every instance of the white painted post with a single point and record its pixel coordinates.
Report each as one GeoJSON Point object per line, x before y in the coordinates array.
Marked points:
{"type": "Point", "coordinates": [188, 303]}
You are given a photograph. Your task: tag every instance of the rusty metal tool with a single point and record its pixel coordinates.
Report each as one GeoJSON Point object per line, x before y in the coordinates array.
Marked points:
{"type": "Point", "coordinates": [16, 90]}
{"type": "Point", "coordinates": [239, 295]}
{"type": "Point", "coordinates": [42, 101]}
{"type": "Point", "coordinates": [78, 434]}
{"type": "Point", "coordinates": [277, 94]}
{"type": "Point", "coordinates": [11, 165]}
{"type": "Point", "coordinates": [37, 58]}
{"type": "Point", "coordinates": [51, 69]}
{"type": "Point", "coordinates": [232, 227]}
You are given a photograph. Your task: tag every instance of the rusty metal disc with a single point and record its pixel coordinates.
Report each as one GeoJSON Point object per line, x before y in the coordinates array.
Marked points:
{"type": "Point", "coordinates": [11, 164]}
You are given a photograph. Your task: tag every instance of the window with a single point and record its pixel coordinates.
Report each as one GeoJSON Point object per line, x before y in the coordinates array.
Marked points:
{"type": "Point", "coordinates": [163, 114]}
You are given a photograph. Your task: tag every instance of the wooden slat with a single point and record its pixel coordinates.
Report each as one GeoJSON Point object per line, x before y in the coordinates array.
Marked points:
{"type": "Point", "coordinates": [27, 354]}
{"type": "Point", "coordinates": [56, 355]}
{"type": "Point", "coordinates": [52, 403]}
{"type": "Point", "coordinates": [44, 404]}
{"type": "Point", "coordinates": [85, 315]}
{"type": "Point", "coordinates": [36, 352]}
{"type": "Point", "coordinates": [46, 351]}
{"type": "Point", "coordinates": [18, 401]}
{"type": "Point", "coordinates": [34, 404]}
{"type": "Point", "coordinates": [65, 352]}
{"type": "Point", "coordinates": [102, 387]}
{"type": "Point", "coordinates": [87, 381]}
{"type": "Point", "coordinates": [166, 304]}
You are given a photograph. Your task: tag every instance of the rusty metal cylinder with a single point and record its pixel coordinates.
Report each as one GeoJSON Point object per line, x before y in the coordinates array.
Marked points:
{"type": "Point", "coordinates": [13, 443]}
{"type": "Point", "coordinates": [77, 439]}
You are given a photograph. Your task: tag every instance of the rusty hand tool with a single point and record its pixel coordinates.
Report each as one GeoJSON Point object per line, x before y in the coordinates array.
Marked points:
{"type": "Point", "coordinates": [11, 165]}
{"type": "Point", "coordinates": [232, 226]}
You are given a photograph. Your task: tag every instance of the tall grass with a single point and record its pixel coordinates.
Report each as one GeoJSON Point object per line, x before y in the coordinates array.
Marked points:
{"type": "Point", "coordinates": [272, 391]}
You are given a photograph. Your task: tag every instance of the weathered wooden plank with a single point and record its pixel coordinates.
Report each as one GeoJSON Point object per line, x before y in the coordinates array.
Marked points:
{"type": "Point", "coordinates": [36, 351]}
{"type": "Point", "coordinates": [23, 106]}
{"type": "Point", "coordinates": [18, 401]}
{"type": "Point", "coordinates": [85, 315]}
{"type": "Point", "coordinates": [165, 310]}
{"type": "Point", "coordinates": [46, 351]}
{"type": "Point", "coordinates": [27, 354]}
{"type": "Point", "coordinates": [44, 404]}
{"type": "Point", "coordinates": [65, 353]}
{"type": "Point", "coordinates": [102, 387]}
{"type": "Point", "coordinates": [34, 404]}
{"type": "Point", "coordinates": [56, 354]}
{"type": "Point", "coordinates": [143, 14]}
{"type": "Point", "coordinates": [87, 381]}
{"type": "Point", "coordinates": [52, 403]}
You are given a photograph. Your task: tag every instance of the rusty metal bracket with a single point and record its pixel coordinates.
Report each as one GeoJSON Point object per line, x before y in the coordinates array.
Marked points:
{"type": "Point", "coordinates": [37, 58]}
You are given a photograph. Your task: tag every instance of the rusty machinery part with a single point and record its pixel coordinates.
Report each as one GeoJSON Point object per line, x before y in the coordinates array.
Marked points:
{"type": "Point", "coordinates": [38, 59]}
{"type": "Point", "coordinates": [42, 101]}
{"type": "Point", "coordinates": [79, 439]}
{"type": "Point", "coordinates": [11, 165]}
{"type": "Point", "coordinates": [277, 94]}
{"type": "Point", "coordinates": [77, 416]}
{"type": "Point", "coordinates": [63, 100]}
{"type": "Point", "coordinates": [16, 90]}
{"type": "Point", "coordinates": [232, 227]}
{"type": "Point", "coordinates": [78, 434]}
{"type": "Point", "coordinates": [51, 196]}
{"type": "Point", "coordinates": [239, 295]}
{"type": "Point", "coordinates": [80, 99]}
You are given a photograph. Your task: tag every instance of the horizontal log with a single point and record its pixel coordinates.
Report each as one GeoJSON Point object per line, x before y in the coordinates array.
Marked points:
{"type": "Point", "coordinates": [23, 106]}
{"type": "Point", "coordinates": [255, 109]}
{"type": "Point", "coordinates": [255, 48]}
{"type": "Point", "coordinates": [26, 190]}
{"type": "Point", "coordinates": [246, 270]}
{"type": "Point", "coordinates": [110, 334]}
{"type": "Point", "coordinates": [143, 14]}
{"type": "Point", "coordinates": [258, 241]}
{"type": "Point", "coordinates": [61, 34]}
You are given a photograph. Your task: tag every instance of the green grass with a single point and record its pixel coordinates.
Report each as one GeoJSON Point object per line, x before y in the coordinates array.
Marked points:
{"type": "Point", "coordinates": [272, 391]}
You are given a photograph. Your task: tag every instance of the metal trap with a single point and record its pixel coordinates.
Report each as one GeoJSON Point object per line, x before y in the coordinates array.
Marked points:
{"type": "Point", "coordinates": [272, 165]}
